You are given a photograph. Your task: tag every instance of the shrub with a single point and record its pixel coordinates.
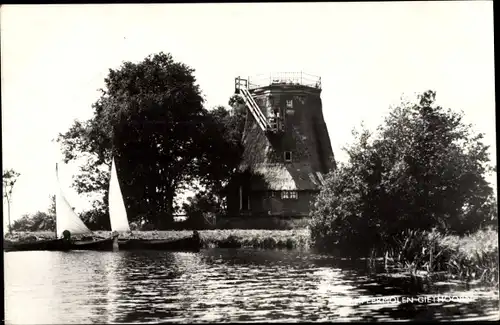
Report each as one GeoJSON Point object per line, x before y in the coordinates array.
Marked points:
{"type": "Point", "coordinates": [39, 221]}
{"type": "Point", "coordinates": [423, 169]}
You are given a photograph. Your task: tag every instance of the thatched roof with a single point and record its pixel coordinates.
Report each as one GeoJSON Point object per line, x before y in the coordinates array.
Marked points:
{"type": "Point", "coordinates": [281, 177]}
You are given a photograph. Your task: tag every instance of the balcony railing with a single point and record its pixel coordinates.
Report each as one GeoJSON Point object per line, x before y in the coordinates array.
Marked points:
{"type": "Point", "coordinates": [284, 78]}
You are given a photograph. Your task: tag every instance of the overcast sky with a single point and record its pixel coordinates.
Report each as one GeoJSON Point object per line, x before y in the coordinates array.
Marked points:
{"type": "Point", "coordinates": [54, 58]}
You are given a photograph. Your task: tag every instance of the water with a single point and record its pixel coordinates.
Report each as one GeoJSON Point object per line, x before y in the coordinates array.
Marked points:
{"type": "Point", "coordinates": [216, 285]}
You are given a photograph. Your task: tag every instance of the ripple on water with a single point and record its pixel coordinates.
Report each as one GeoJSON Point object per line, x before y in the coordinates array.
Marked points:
{"type": "Point", "coordinates": [211, 286]}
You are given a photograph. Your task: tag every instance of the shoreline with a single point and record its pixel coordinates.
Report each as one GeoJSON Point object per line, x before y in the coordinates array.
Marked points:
{"type": "Point", "coordinates": [297, 239]}
{"type": "Point", "coordinates": [221, 238]}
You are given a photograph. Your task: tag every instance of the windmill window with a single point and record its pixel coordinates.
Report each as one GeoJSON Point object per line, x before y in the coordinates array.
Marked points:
{"type": "Point", "coordinates": [289, 195]}
{"type": "Point", "coordinates": [288, 156]}
{"type": "Point", "coordinates": [289, 103]}
{"type": "Point", "coordinates": [274, 123]}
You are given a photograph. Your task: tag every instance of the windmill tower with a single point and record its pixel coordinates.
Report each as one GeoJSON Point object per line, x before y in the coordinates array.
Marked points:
{"type": "Point", "coordinates": [287, 146]}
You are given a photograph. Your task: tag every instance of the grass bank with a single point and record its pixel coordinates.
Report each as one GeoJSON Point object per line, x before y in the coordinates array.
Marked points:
{"type": "Point", "coordinates": [223, 238]}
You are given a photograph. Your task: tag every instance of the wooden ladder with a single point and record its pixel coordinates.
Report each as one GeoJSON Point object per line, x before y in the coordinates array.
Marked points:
{"type": "Point", "coordinates": [241, 87]}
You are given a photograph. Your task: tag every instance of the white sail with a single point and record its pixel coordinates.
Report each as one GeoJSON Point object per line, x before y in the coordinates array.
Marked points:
{"type": "Point", "coordinates": [117, 212]}
{"type": "Point", "coordinates": [66, 218]}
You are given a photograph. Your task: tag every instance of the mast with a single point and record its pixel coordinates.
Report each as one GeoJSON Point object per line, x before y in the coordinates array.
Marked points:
{"type": "Point", "coordinates": [57, 178]}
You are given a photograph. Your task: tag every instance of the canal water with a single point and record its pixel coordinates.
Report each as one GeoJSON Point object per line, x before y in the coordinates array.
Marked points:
{"type": "Point", "coordinates": [221, 285]}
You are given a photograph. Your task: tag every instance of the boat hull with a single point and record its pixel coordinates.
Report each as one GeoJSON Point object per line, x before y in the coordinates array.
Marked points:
{"type": "Point", "coordinates": [60, 245]}
{"type": "Point", "coordinates": [42, 245]}
{"type": "Point", "coordinates": [190, 244]}
{"type": "Point", "coordinates": [94, 245]}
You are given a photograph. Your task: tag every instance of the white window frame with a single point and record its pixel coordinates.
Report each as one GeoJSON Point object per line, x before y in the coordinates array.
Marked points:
{"type": "Point", "coordinates": [289, 103]}
{"type": "Point", "coordinates": [289, 195]}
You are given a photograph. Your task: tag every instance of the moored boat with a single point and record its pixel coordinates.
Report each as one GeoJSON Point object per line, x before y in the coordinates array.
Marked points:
{"type": "Point", "coordinates": [67, 224]}
{"type": "Point", "coordinates": [37, 245]}
{"type": "Point", "coordinates": [107, 244]}
{"type": "Point", "coordinates": [120, 224]}
{"type": "Point", "coordinates": [62, 244]}
{"type": "Point", "coordinates": [190, 244]}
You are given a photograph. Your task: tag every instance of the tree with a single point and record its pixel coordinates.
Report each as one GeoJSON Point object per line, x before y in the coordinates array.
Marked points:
{"type": "Point", "coordinates": [423, 169]}
{"type": "Point", "coordinates": [221, 157]}
{"type": "Point", "coordinates": [9, 178]}
{"type": "Point", "coordinates": [222, 151]}
{"type": "Point", "coordinates": [89, 142]}
{"type": "Point", "coordinates": [39, 221]}
{"type": "Point", "coordinates": [149, 118]}
{"type": "Point", "coordinates": [97, 218]}
{"type": "Point", "coordinates": [200, 208]}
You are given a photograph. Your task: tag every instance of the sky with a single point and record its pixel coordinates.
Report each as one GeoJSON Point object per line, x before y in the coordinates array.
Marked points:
{"type": "Point", "coordinates": [54, 59]}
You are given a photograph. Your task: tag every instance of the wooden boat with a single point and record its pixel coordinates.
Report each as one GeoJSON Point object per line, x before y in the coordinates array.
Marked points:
{"type": "Point", "coordinates": [38, 245]}
{"type": "Point", "coordinates": [107, 244]}
{"type": "Point", "coordinates": [67, 224]}
{"type": "Point", "coordinates": [189, 244]}
{"type": "Point", "coordinates": [120, 224]}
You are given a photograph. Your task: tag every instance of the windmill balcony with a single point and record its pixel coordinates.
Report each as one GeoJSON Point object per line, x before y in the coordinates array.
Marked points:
{"type": "Point", "coordinates": [284, 78]}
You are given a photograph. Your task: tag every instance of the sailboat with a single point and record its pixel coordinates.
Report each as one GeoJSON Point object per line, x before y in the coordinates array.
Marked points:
{"type": "Point", "coordinates": [120, 224]}
{"type": "Point", "coordinates": [117, 212]}
{"type": "Point", "coordinates": [67, 224]}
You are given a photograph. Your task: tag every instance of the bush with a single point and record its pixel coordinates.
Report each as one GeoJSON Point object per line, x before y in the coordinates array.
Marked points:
{"type": "Point", "coordinates": [423, 169]}
{"type": "Point", "coordinates": [267, 222]}
{"type": "Point", "coordinates": [40, 221]}
{"type": "Point", "coordinates": [201, 211]}
{"type": "Point", "coordinates": [96, 219]}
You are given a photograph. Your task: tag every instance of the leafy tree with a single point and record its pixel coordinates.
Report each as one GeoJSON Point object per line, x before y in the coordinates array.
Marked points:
{"type": "Point", "coordinates": [151, 119]}
{"type": "Point", "coordinates": [39, 221]}
{"type": "Point", "coordinates": [97, 218]}
{"type": "Point", "coordinates": [423, 169]}
{"type": "Point", "coordinates": [88, 142]}
{"type": "Point", "coordinates": [222, 151]}
{"type": "Point", "coordinates": [222, 155]}
{"type": "Point", "coordinates": [201, 208]}
{"type": "Point", "coordinates": [9, 178]}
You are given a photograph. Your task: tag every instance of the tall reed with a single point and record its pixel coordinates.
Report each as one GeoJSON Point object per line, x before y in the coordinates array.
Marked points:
{"type": "Point", "coordinates": [471, 257]}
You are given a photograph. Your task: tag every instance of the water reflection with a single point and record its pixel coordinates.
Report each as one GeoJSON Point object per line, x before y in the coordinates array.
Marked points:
{"type": "Point", "coordinates": [156, 285]}
{"type": "Point", "coordinates": [217, 285]}
{"type": "Point", "coordinates": [46, 287]}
